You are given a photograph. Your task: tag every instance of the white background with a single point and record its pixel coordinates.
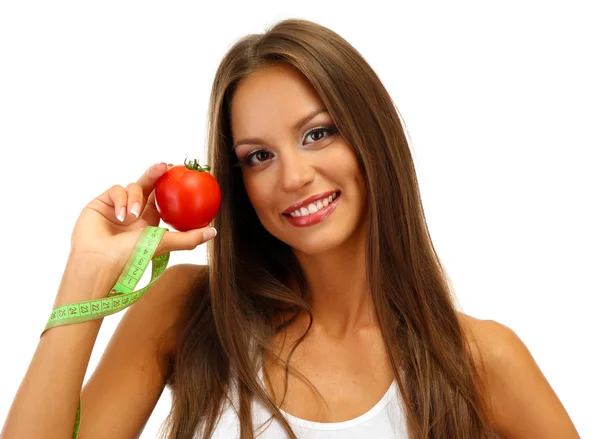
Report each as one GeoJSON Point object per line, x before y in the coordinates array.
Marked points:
{"type": "Point", "coordinates": [501, 102]}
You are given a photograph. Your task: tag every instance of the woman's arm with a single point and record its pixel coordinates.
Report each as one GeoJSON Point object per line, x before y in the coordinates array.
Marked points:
{"type": "Point", "coordinates": [108, 229]}
{"type": "Point", "coordinates": [119, 397]}
{"type": "Point", "coordinates": [46, 401]}
{"type": "Point", "coordinates": [524, 405]}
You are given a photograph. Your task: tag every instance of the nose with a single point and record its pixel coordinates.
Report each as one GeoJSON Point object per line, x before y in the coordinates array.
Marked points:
{"type": "Point", "coordinates": [296, 172]}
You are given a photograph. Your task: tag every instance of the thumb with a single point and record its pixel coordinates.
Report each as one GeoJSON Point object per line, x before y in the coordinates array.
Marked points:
{"type": "Point", "coordinates": [189, 240]}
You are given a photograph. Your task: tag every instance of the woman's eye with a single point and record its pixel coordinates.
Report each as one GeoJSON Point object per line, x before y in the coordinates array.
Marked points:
{"type": "Point", "coordinates": [259, 156]}
{"type": "Point", "coordinates": [328, 130]}
{"type": "Point", "coordinates": [255, 158]}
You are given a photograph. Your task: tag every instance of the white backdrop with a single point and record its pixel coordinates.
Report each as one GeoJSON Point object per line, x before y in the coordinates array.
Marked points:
{"type": "Point", "coordinates": [501, 102]}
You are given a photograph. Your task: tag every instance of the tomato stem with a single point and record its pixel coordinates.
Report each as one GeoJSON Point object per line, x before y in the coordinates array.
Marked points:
{"type": "Point", "coordinates": [195, 166]}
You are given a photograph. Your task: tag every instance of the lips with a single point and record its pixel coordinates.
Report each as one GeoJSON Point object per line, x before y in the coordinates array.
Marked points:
{"type": "Point", "coordinates": [313, 219]}
{"type": "Point", "coordinates": [307, 201]}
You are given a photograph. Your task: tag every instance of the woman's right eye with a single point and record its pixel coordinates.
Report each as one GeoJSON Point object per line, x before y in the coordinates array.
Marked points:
{"type": "Point", "coordinates": [255, 158]}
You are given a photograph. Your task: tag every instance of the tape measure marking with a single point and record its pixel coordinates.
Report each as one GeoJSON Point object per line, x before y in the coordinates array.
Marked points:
{"type": "Point", "coordinates": [122, 294]}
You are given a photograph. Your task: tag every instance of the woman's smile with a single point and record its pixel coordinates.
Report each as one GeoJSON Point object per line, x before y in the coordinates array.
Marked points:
{"type": "Point", "coordinates": [313, 213]}
{"type": "Point", "coordinates": [289, 150]}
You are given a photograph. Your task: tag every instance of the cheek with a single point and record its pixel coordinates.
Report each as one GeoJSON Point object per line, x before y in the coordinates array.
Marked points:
{"type": "Point", "coordinates": [259, 194]}
{"type": "Point", "coordinates": [348, 172]}
{"type": "Point", "coordinates": [346, 165]}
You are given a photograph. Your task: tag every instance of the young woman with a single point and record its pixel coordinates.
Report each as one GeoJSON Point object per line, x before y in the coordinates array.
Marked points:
{"type": "Point", "coordinates": [323, 312]}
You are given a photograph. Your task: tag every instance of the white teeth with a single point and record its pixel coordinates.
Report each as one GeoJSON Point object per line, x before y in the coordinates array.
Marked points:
{"type": "Point", "coordinates": [313, 207]}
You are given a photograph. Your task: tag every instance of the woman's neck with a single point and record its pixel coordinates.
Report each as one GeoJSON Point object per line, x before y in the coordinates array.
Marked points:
{"type": "Point", "coordinates": [339, 294]}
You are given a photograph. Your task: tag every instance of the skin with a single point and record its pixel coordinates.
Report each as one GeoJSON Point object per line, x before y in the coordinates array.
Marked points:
{"type": "Point", "coordinates": [343, 354]}
{"type": "Point", "coordinates": [293, 165]}
{"type": "Point", "coordinates": [296, 164]}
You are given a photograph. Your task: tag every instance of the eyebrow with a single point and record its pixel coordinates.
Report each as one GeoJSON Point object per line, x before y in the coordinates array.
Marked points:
{"type": "Point", "coordinates": [297, 126]}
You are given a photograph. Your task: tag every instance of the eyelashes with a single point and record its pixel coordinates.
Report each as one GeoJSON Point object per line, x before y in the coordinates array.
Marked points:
{"type": "Point", "coordinates": [247, 160]}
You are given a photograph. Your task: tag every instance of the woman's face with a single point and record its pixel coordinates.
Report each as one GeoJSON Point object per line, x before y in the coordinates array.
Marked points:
{"type": "Point", "coordinates": [301, 177]}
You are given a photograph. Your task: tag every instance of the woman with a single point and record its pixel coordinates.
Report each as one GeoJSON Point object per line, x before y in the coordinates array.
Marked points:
{"type": "Point", "coordinates": [323, 310]}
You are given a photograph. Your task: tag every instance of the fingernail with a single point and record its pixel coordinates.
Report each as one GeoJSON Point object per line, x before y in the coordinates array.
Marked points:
{"type": "Point", "coordinates": [209, 234]}
{"type": "Point", "coordinates": [135, 209]}
{"type": "Point", "coordinates": [121, 215]}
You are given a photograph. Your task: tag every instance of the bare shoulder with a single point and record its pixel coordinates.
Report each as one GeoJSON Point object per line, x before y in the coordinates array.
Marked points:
{"type": "Point", "coordinates": [488, 339]}
{"type": "Point", "coordinates": [523, 404]}
{"type": "Point", "coordinates": [135, 364]}
{"type": "Point", "coordinates": [167, 299]}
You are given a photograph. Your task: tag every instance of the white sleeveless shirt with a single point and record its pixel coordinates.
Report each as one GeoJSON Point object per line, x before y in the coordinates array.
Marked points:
{"type": "Point", "coordinates": [385, 420]}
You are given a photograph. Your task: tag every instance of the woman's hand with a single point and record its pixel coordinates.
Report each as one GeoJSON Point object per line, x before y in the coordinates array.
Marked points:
{"type": "Point", "coordinates": [109, 226]}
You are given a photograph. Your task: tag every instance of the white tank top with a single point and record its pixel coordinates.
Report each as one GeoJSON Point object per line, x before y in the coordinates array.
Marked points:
{"type": "Point", "coordinates": [385, 420]}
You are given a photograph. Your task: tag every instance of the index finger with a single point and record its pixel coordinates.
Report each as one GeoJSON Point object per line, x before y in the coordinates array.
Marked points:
{"type": "Point", "coordinates": [148, 180]}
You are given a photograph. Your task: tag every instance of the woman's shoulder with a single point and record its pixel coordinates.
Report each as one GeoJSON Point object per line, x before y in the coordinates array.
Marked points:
{"type": "Point", "coordinates": [137, 361]}
{"type": "Point", "coordinates": [181, 279]}
{"type": "Point", "coordinates": [172, 289]}
{"type": "Point", "coordinates": [487, 333]}
{"type": "Point", "coordinates": [523, 404]}
{"type": "Point", "coordinates": [494, 346]}
{"type": "Point", "coordinates": [178, 283]}
{"type": "Point", "coordinates": [164, 303]}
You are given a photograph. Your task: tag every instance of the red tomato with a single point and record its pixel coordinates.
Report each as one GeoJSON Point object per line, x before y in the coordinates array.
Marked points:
{"type": "Point", "coordinates": [187, 196]}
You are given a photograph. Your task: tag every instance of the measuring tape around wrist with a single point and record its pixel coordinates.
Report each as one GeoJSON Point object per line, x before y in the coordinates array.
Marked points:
{"type": "Point", "coordinates": [121, 295]}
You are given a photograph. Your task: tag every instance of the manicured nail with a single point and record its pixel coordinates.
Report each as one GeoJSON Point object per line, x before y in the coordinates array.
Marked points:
{"type": "Point", "coordinates": [135, 209]}
{"type": "Point", "coordinates": [121, 215]}
{"type": "Point", "coordinates": [209, 234]}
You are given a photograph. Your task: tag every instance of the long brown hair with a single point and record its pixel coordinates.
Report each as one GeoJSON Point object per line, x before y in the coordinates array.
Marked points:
{"type": "Point", "coordinates": [233, 313]}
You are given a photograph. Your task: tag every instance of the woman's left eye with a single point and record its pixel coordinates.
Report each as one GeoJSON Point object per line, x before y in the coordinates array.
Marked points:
{"type": "Point", "coordinates": [259, 156]}
{"type": "Point", "coordinates": [329, 130]}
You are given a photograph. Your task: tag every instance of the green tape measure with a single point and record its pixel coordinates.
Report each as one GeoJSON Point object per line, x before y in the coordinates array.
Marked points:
{"type": "Point", "coordinates": [121, 295]}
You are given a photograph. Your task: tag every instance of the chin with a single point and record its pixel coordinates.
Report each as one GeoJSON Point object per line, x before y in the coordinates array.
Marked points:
{"type": "Point", "coordinates": [312, 244]}
{"type": "Point", "coordinates": [312, 250]}
{"type": "Point", "coordinates": [314, 240]}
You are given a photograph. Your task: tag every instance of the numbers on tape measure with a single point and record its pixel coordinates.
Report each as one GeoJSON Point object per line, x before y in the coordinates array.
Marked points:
{"type": "Point", "coordinates": [122, 294]}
